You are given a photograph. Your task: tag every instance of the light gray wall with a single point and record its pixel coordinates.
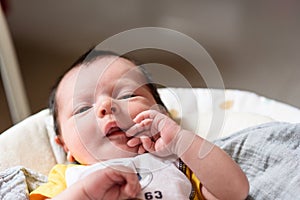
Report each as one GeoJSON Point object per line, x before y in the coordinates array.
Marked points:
{"type": "Point", "coordinates": [255, 44]}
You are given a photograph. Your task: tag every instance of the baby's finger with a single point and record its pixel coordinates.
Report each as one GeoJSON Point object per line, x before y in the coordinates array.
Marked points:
{"type": "Point", "coordinates": [148, 114]}
{"type": "Point", "coordinates": [139, 128]}
{"type": "Point", "coordinates": [148, 144]}
{"type": "Point", "coordinates": [134, 130]}
{"type": "Point", "coordinates": [134, 142]}
{"type": "Point", "coordinates": [131, 188]}
{"type": "Point", "coordinates": [155, 137]}
{"type": "Point", "coordinates": [141, 149]}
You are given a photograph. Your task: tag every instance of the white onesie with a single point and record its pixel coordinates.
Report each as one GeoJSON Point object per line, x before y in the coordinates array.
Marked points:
{"type": "Point", "coordinates": [159, 178]}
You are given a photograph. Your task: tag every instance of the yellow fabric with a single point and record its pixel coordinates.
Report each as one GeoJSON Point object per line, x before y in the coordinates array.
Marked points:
{"type": "Point", "coordinates": [55, 185]}
{"type": "Point", "coordinates": [196, 184]}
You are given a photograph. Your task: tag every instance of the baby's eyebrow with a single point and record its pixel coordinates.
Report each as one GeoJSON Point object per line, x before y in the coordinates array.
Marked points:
{"type": "Point", "coordinates": [129, 84]}
{"type": "Point", "coordinates": [124, 82]}
{"type": "Point", "coordinates": [82, 97]}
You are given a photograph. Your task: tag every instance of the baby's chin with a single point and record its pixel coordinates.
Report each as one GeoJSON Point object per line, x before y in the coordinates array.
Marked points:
{"type": "Point", "coordinates": [122, 150]}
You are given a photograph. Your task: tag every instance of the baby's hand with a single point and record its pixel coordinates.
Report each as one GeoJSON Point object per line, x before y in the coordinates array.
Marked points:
{"type": "Point", "coordinates": [154, 132]}
{"type": "Point", "coordinates": [109, 183]}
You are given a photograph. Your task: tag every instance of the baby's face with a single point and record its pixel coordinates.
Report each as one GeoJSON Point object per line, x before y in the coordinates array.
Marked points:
{"type": "Point", "coordinates": [97, 104]}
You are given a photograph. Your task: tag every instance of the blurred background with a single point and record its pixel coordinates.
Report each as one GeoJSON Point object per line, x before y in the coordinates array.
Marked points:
{"type": "Point", "coordinates": [255, 44]}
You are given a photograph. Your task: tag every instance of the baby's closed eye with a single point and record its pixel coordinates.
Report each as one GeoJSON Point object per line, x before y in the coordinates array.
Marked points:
{"type": "Point", "coordinates": [82, 109]}
{"type": "Point", "coordinates": [127, 96]}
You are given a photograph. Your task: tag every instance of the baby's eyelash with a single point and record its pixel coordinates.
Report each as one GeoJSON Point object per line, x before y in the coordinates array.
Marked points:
{"type": "Point", "coordinates": [127, 96]}
{"type": "Point", "coordinates": [82, 109]}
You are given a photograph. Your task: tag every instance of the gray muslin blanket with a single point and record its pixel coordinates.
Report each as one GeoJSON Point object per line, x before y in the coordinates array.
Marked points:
{"type": "Point", "coordinates": [269, 154]}
{"type": "Point", "coordinates": [17, 182]}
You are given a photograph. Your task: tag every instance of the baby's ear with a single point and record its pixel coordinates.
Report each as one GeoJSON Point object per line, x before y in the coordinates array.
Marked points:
{"type": "Point", "coordinates": [70, 157]}
{"type": "Point", "coordinates": [60, 142]}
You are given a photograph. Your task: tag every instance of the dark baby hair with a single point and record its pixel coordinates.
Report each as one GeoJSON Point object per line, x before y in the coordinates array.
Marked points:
{"type": "Point", "coordinates": [90, 56]}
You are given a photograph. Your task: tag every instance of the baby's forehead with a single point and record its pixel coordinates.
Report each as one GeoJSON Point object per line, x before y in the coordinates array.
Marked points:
{"type": "Point", "coordinates": [97, 65]}
{"type": "Point", "coordinates": [93, 70]}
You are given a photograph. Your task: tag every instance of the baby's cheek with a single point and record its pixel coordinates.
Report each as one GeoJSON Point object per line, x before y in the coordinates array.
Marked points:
{"type": "Point", "coordinates": [86, 124]}
{"type": "Point", "coordinates": [86, 127]}
{"type": "Point", "coordinates": [136, 109]}
{"type": "Point", "coordinates": [71, 133]}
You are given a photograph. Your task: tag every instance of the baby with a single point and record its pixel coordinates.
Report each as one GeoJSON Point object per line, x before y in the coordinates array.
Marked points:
{"type": "Point", "coordinates": [110, 119]}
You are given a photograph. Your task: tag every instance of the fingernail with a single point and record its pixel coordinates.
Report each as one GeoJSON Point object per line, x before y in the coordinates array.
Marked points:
{"type": "Point", "coordinates": [128, 143]}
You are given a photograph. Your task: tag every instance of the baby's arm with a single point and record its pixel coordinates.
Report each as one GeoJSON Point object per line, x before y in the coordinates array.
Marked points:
{"type": "Point", "coordinates": [218, 173]}
{"type": "Point", "coordinates": [107, 183]}
{"type": "Point", "coordinates": [220, 176]}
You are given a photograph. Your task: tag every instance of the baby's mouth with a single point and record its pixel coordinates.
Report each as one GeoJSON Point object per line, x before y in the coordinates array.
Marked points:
{"type": "Point", "coordinates": [114, 131]}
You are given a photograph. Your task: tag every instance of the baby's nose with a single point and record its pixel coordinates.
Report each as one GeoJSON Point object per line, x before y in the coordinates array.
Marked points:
{"type": "Point", "coordinates": [107, 107]}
